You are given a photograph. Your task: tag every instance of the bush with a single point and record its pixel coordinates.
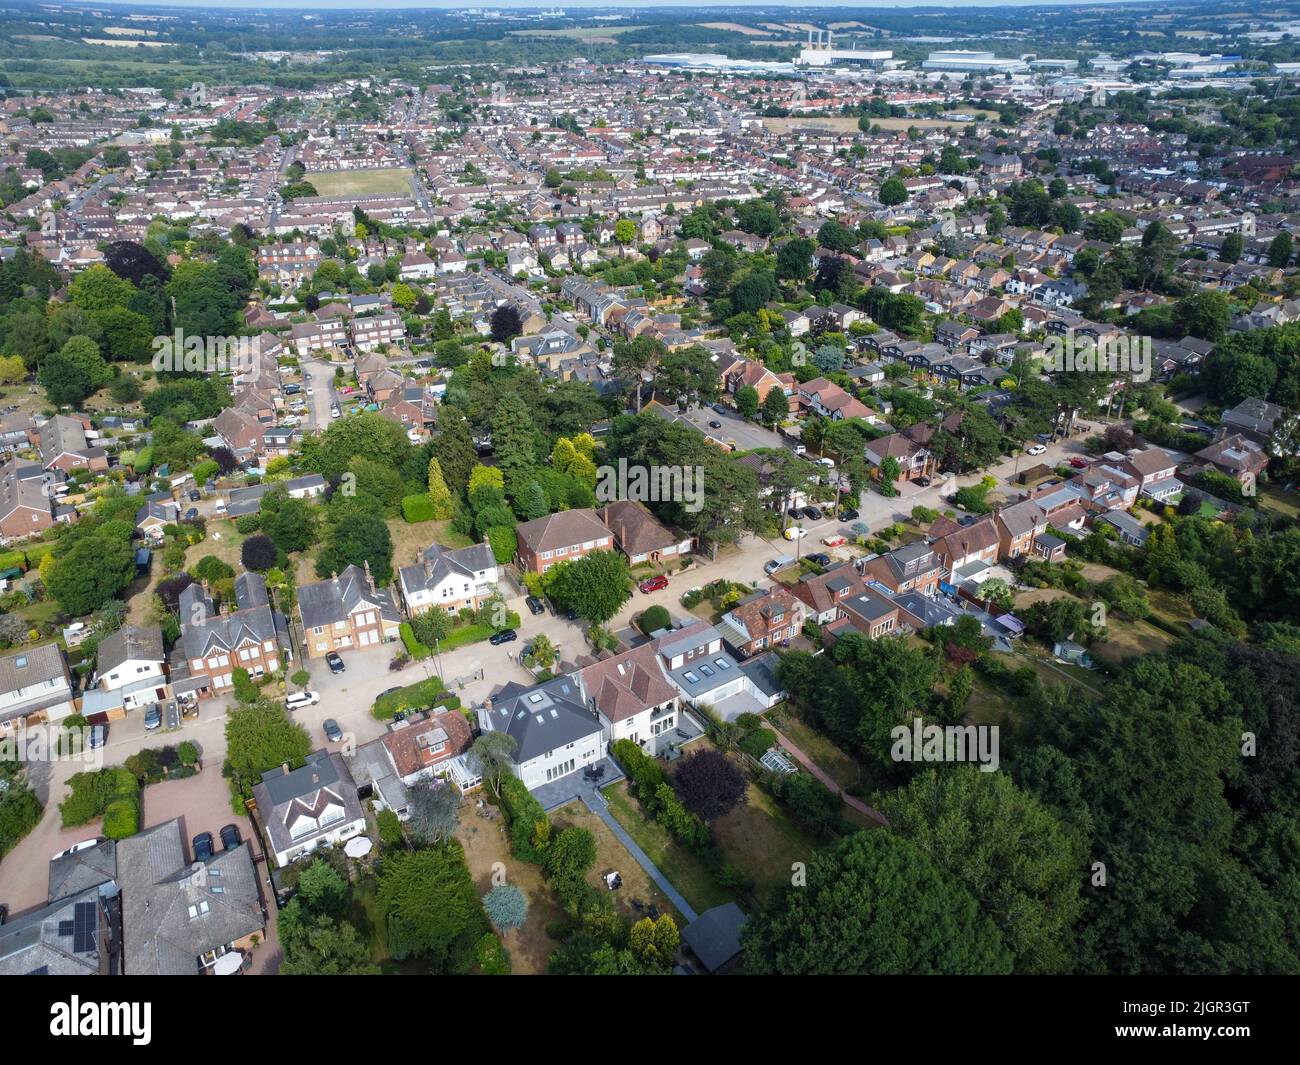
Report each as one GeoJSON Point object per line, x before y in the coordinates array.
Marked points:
{"type": "Point", "coordinates": [248, 523]}
{"type": "Point", "coordinates": [654, 619]}
{"type": "Point", "coordinates": [414, 647]}
{"type": "Point", "coordinates": [188, 752]}
{"type": "Point", "coordinates": [417, 508]}
{"type": "Point", "coordinates": [390, 828]}
{"type": "Point", "coordinates": [526, 818]}
{"type": "Point", "coordinates": [121, 819]}
{"type": "Point", "coordinates": [491, 956]}
{"type": "Point", "coordinates": [758, 742]}
{"type": "Point", "coordinates": [414, 696]}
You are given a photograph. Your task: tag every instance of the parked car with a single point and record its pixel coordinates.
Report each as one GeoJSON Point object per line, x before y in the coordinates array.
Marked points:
{"type": "Point", "coordinates": [715, 424]}
{"type": "Point", "coordinates": [800, 449]}
{"type": "Point", "coordinates": [504, 636]}
{"type": "Point", "coordinates": [819, 557]}
{"type": "Point", "coordinates": [84, 845]}
{"type": "Point", "coordinates": [298, 700]}
{"type": "Point", "coordinates": [1036, 449]}
{"type": "Point", "coordinates": [654, 584]}
{"type": "Point", "coordinates": [813, 511]}
{"type": "Point", "coordinates": [230, 838]}
{"type": "Point", "coordinates": [848, 514]}
{"type": "Point", "coordinates": [1079, 462]}
{"type": "Point", "coordinates": [924, 482]}
{"type": "Point", "coordinates": [795, 512]}
{"type": "Point", "coordinates": [153, 718]}
{"type": "Point", "coordinates": [332, 731]}
{"type": "Point", "coordinates": [98, 736]}
{"type": "Point", "coordinates": [202, 844]}
{"type": "Point", "coordinates": [536, 605]}
{"type": "Point", "coordinates": [335, 662]}
{"type": "Point", "coordinates": [570, 615]}
{"type": "Point", "coordinates": [835, 540]}
{"type": "Point", "coordinates": [796, 532]}
{"type": "Point", "coordinates": [195, 495]}
{"type": "Point", "coordinates": [720, 408]}
{"type": "Point", "coordinates": [775, 564]}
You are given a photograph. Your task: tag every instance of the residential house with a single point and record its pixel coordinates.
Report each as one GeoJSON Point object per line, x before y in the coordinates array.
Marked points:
{"type": "Point", "coordinates": [422, 748]}
{"type": "Point", "coordinates": [346, 611]}
{"type": "Point", "coordinates": [563, 537]}
{"type": "Point", "coordinates": [132, 661]}
{"type": "Point", "coordinates": [633, 698]}
{"type": "Point", "coordinates": [639, 535]}
{"type": "Point", "coordinates": [26, 500]}
{"type": "Point", "coordinates": [213, 645]}
{"type": "Point", "coordinates": [454, 579]}
{"type": "Point", "coordinates": [64, 446]}
{"type": "Point", "coordinates": [912, 567]}
{"type": "Point", "coordinates": [315, 805]}
{"type": "Point", "coordinates": [35, 686]}
{"type": "Point", "coordinates": [761, 620]}
{"type": "Point", "coordinates": [555, 733]}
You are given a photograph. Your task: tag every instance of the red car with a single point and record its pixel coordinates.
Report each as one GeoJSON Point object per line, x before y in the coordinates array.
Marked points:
{"type": "Point", "coordinates": [1079, 463]}
{"type": "Point", "coordinates": [653, 584]}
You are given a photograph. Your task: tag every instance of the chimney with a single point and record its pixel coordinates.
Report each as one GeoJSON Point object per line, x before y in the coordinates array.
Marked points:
{"type": "Point", "coordinates": [284, 768]}
{"type": "Point", "coordinates": [369, 579]}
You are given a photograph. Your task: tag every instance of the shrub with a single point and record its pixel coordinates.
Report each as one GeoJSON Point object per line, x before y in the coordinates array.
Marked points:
{"type": "Point", "coordinates": [417, 508]}
{"type": "Point", "coordinates": [248, 523]}
{"type": "Point", "coordinates": [654, 619]}
{"type": "Point", "coordinates": [121, 819]}
{"type": "Point", "coordinates": [758, 742]}
{"type": "Point", "coordinates": [188, 752]}
{"type": "Point", "coordinates": [390, 828]}
{"type": "Point", "coordinates": [491, 956]}
{"type": "Point", "coordinates": [414, 647]}
{"type": "Point", "coordinates": [413, 696]}
{"type": "Point", "coordinates": [526, 818]}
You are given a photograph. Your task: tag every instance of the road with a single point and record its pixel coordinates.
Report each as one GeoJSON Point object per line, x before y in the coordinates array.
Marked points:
{"type": "Point", "coordinates": [318, 375]}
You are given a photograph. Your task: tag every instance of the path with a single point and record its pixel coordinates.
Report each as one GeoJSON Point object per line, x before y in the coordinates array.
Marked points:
{"type": "Point", "coordinates": [600, 808]}
{"type": "Point", "coordinates": [812, 767]}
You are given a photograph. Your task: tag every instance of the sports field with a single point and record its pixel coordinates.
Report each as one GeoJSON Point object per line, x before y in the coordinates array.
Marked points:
{"type": "Point", "coordinates": [360, 182]}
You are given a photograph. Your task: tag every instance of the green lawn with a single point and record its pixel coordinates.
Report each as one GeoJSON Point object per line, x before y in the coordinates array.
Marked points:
{"type": "Point", "coordinates": [33, 553]}
{"type": "Point", "coordinates": [687, 873]}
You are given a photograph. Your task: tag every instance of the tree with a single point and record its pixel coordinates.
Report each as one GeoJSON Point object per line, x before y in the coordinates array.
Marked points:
{"type": "Point", "coordinates": [321, 946]}
{"type": "Point", "coordinates": [439, 494]}
{"type": "Point", "coordinates": [260, 736]}
{"type": "Point", "coordinates": [893, 192]}
{"type": "Point", "coordinates": [1231, 248]}
{"type": "Point", "coordinates": [506, 907]}
{"type": "Point", "coordinates": [435, 811]}
{"type": "Point", "coordinates": [794, 259]}
{"type": "Point", "coordinates": [97, 289]}
{"type": "Point", "coordinates": [775, 407]}
{"type": "Point", "coordinates": [493, 754]}
{"type": "Point", "coordinates": [596, 585]}
{"type": "Point", "coordinates": [259, 553]}
{"type": "Point", "coordinates": [95, 567]}
{"type": "Point", "coordinates": [322, 889]}
{"type": "Point", "coordinates": [74, 372]}
{"type": "Point", "coordinates": [625, 231]}
{"type": "Point", "coordinates": [506, 323]}
{"type": "Point", "coordinates": [1007, 848]}
{"type": "Point", "coordinates": [874, 904]}
{"type": "Point", "coordinates": [709, 784]}
{"type": "Point", "coordinates": [1279, 250]}
{"type": "Point", "coordinates": [292, 524]}
{"type": "Point", "coordinates": [637, 357]}
{"type": "Point", "coordinates": [431, 907]}
{"type": "Point", "coordinates": [359, 537]}
{"type": "Point", "coordinates": [747, 402]}
{"type": "Point", "coordinates": [655, 942]}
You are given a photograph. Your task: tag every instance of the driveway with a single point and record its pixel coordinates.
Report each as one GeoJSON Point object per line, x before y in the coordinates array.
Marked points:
{"type": "Point", "coordinates": [747, 435]}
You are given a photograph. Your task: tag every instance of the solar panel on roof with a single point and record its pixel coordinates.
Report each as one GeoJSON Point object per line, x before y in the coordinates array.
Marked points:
{"type": "Point", "coordinates": [85, 922]}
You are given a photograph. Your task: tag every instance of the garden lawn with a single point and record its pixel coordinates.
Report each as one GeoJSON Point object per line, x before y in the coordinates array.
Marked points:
{"type": "Point", "coordinates": [687, 873]}
{"type": "Point", "coordinates": [759, 838]}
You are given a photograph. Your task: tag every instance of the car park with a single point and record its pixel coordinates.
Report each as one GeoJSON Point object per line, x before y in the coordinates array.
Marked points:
{"type": "Point", "coordinates": [335, 662]}
{"type": "Point", "coordinates": [535, 605]}
{"type": "Point", "coordinates": [654, 584]}
{"type": "Point", "coordinates": [84, 845]}
{"type": "Point", "coordinates": [202, 845]}
{"type": "Point", "coordinates": [153, 718]}
{"type": "Point", "coordinates": [332, 731]}
{"type": "Point", "coordinates": [230, 838]}
{"type": "Point", "coordinates": [298, 700]}
{"type": "Point", "coordinates": [504, 636]}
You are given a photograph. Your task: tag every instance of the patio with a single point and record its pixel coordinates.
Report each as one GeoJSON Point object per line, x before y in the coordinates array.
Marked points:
{"type": "Point", "coordinates": [577, 785]}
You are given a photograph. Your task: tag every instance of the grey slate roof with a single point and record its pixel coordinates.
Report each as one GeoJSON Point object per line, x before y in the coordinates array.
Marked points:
{"type": "Point", "coordinates": [326, 602]}
{"type": "Point", "coordinates": [541, 718]}
{"type": "Point", "coordinates": [441, 562]}
{"type": "Point", "coordinates": [130, 642]}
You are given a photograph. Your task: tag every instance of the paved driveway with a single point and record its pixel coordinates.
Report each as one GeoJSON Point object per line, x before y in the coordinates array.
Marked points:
{"type": "Point", "coordinates": [747, 435]}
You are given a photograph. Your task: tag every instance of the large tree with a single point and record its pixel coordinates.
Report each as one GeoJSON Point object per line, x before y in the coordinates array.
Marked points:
{"type": "Point", "coordinates": [431, 908]}
{"type": "Point", "coordinates": [874, 904]}
{"type": "Point", "coordinates": [596, 586]}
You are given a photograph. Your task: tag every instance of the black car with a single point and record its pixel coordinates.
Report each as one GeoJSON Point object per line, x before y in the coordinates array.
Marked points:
{"type": "Point", "coordinates": [335, 662]}
{"type": "Point", "coordinates": [814, 512]}
{"type": "Point", "coordinates": [570, 615]}
{"type": "Point", "coordinates": [536, 605]}
{"type": "Point", "coordinates": [795, 513]}
{"type": "Point", "coordinates": [195, 495]}
{"type": "Point", "coordinates": [820, 557]}
{"type": "Point", "coordinates": [332, 731]}
{"type": "Point", "coordinates": [98, 736]}
{"type": "Point", "coordinates": [715, 424]}
{"type": "Point", "coordinates": [848, 514]}
{"type": "Point", "coordinates": [202, 845]}
{"type": "Point", "coordinates": [924, 482]}
{"type": "Point", "coordinates": [504, 636]}
{"type": "Point", "coordinates": [719, 408]}
{"type": "Point", "coordinates": [230, 838]}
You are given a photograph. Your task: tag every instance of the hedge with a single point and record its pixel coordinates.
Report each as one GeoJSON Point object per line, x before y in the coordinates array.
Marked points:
{"type": "Point", "coordinates": [413, 696]}
{"type": "Point", "coordinates": [414, 647]}
{"type": "Point", "coordinates": [758, 743]}
{"type": "Point", "coordinates": [656, 795]}
{"type": "Point", "coordinates": [417, 508]}
{"type": "Point", "coordinates": [122, 818]}
{"type": "Point", "coordinates": [491, 956]}
{"type": "Point", "coordinates": [524, 814]}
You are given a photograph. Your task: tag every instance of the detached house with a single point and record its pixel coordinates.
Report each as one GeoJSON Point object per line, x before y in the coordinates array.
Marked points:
{"type": "Point", "coordinates": [822, 593]}
{"type": "Point", "coordinates": [639, 535]}
{"type": "Point", "coordinates": [35, 686]}
{"type": "Point", "coordinates": [131, 661]}
{"type": "Point", "coordinates": [1155, 471]}
{"type": "Point", "coordinates": [346, 611]}
{"type": "Point", "coordinates": [26, 500]}
{"type": "Point", "coordinates": [563, 537]}
{"type": "Point", "coordinates": [312, 806]}
{"type": "Point", "coordinates": [555, 733]}
{"type": "Point", "coordinates": [212, 646]}
{"type": "Point", "coordinates": [422, 748]}
{"type": "Point", "coordinates": [1018, 527]}
{"type": "Point", "coordinates": [455, 579]}
{"type": "Point", "coordinates": [633, 698]}
{"type": "Point", "coordinates": [64, 446]}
